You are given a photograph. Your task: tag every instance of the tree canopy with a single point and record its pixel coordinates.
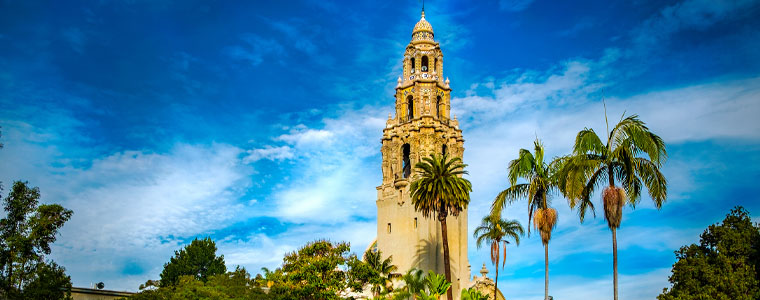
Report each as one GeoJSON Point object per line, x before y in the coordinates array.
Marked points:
{"type": "Point", "coordinates": [197, 259]}
{"type": "Point", "coordinates": [236, 284]}
{"type": "Point", "coordinates": [26, 234]}
{"type": "Point", "coordinates": [724, 265]}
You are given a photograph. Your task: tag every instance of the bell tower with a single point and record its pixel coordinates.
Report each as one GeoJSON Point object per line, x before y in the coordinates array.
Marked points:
{"type": "Point", "coordinates": [422, 125]}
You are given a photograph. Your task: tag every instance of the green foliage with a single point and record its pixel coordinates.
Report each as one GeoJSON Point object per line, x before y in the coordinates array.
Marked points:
{"type": "Point", "coordinates": [197, 259]}
{"type": "Point", "coordinates": [473, 294]}
{"type": "Point", "coordinates": [47, 282]}
{"type": "Point", "coordinates": [632, 156]}
{"type": "Point", "coordinates": [540, 187]}
{"type": "Point", "coordinates": [438, 188]}
{"type": "Point", "coordinates": [436, 284]}
{"type": "Point", "coordinates": [236, 285]}
{"type": "Point", "coordinates": [725, 265]}
{"type": "Point", "coordinates": [414, 281]}
{"type": "Point", "coordinates": [319, 270]}
{"type": "Point", "coordinates": [382, 272]}
{"type": "Point", "coordinates": [26, 234]}
{"type": "Point", "coordinates": [497, 231]}
{"type": "Point", "coordinates": [494, 230]}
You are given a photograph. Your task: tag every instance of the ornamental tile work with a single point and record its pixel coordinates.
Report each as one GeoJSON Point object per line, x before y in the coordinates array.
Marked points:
{"type": "Point", "coordinates": [422, 125]}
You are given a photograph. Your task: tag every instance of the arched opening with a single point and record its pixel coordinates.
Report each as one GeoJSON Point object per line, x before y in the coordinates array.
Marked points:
{"type": "Point", "coordinates": [435, 64]}
{"type": "Point", "coordinates": [409, 108]}
{"type": "Point", "coordinates": [411, 66]}
{"type": "Point", "coordinates": [424, 67]}
{"type": "Point", "coordinates": [407, 167]}
{"type": "Point", "coordinates": [443, 150]}
{"type": "Point", "coordinates": [438, 107]}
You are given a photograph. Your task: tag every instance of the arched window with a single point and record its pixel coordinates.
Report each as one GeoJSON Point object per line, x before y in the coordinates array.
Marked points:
{"type": "Point", "coordinates": [424, 67]}
{"type": "Point", "coordinates": [438, 106]}
{"type": "Point", "coordinates": [435, 64]}
{"type": "Point", "coordinates": [443, 150]}
{"type": "Point", "coordinates": [407, 163]}
{"type": "Point", "coordinates": [409, 108]}
{"type": "Point", "coordinates": [411, 66]}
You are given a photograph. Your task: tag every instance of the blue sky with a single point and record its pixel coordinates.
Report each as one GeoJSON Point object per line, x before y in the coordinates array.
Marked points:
{"type": "Point", "coordinates": [259, 123]}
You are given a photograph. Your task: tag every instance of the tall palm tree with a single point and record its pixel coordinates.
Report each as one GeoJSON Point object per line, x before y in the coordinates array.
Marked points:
{"type": "Point", "coordinates": [540, 187]}
{"type": "Point", "coordinates": [384, 269]}
{"type": "Point", "coordinates": [632, 155]}
{"type": "Point", "coordinates": [497, 232]}
{"type": "Point", "coordinates": [439, 190]}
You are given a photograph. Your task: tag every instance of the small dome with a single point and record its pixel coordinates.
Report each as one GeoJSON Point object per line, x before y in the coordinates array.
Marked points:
{"type": "Point", "coordinates": [422, 30]}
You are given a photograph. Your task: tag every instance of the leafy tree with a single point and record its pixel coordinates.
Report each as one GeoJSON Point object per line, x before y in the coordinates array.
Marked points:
{"type": "Point", "coordinates": [439, 190]}
{"type": "Point", "coordinates": [541, 186]}
{"type": "Point", "coordinates": [316, 271]}
{"type": "Point", "coordinates": [381, 279]}
{"type": "Point", "coordinates": [473, 294]}
{"type": "Point", "coordinates": [497, 232]}
{"type": "Point", "coordinates": [725, 265]}
{"type": "Point", "coordinates": [197, 259]}
{"type": "Point", "coordinates": [632, 155]}
{"type": "Point", "coordinates": [236, 284]}
{"type": "Point", "coordinates": [26, 233]}
{"type": "Point", "coordinates": [47, 282]}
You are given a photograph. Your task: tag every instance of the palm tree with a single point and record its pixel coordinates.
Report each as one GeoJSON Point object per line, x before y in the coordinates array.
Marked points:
{"type": "Point", "coordinates": [497, 231]}
{"type": "Point", "coordinates": [414, 283]}
{"type": "Point", "coordinates": [594, 164]}
{"type": "Point", "coordinates": [436, 285]}
{"type": "Point", "coordinates": [440, 190]}
{"type": "Point", "coordinates": [541, 186]}
{"type": "Point", "coordinates": [384, 269]}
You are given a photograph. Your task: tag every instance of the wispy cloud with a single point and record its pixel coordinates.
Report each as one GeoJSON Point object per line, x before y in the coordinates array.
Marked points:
{"type": "Point", "coordinates": [514, 5]}
{"type": "Point", "coordinates": [255, 50]}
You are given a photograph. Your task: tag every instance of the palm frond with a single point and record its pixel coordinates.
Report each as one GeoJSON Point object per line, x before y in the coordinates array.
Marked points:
{"type": "Point", "coordinates": [653, 179]}
{"type": "Point", "coordinates": [588, 142]}
{"type": "Point", "coordinates": [508, 196]}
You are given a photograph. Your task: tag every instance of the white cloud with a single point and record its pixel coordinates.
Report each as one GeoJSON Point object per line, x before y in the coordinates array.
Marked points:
{"type": "Point", "coordinates": [269, 152]}
{"type": "Point", "coordinates": [131, 208]}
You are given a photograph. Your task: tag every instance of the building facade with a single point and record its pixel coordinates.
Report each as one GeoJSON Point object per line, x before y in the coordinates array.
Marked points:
{"type": "Point", "coordinates": [422, 125]}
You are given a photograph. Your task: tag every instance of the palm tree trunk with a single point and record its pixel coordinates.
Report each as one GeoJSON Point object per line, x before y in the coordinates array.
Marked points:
{"type": "Point", "coordinates": [496, 278]}
{"type": "Point", "coordinates": [546, 271]}
{"type": "Point", "coordinates": [446, 263]}
{"type": "Point", "coordinates": [614, 262]}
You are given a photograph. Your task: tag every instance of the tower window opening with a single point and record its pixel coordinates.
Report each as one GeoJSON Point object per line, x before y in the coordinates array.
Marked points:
{"type": "Point", "coordinates": [438, 106]}
{"type": "Point", "coordinates": [411, 66]}
{"type": "Point", "coordinates": [424, 67]}
{"type": "Point", "coordinates": [389, 227]}
{"type": "Point", "coordinates": [407, 167]}
{"type": "Point", "coordinates": [409, 108]}
{"type": "Point", "coordinates": [415, 222]}
{"type": "Point", "coordinates": [443, 150]}
{"type": "Point", "coordinates": [435, 64]}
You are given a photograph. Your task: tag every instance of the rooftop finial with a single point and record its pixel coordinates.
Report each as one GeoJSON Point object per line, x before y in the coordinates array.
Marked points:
{"type": "Point", "coordinates": [423, 9]}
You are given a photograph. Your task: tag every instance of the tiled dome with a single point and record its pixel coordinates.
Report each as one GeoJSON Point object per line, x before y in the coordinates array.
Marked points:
{"type": "Point", "coordinates": [423, 30]}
